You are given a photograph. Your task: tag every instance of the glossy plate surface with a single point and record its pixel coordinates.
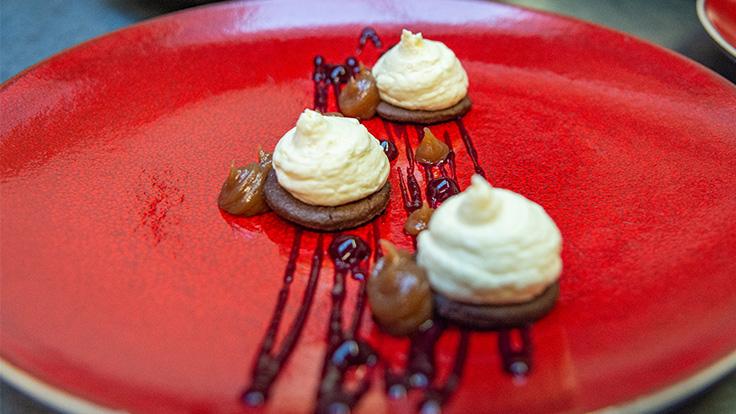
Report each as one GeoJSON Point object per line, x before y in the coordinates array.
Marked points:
{"type": "Point", "coordinates": [718, 17]}
{"type": "Point", "coordinates": [124, 284]}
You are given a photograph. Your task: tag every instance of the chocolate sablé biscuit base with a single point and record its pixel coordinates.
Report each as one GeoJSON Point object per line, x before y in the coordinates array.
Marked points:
{"type": "Point", "coordinates": [324, 218]}
{"type": "Point", "coordinates": [491, 317]}
{"type": "Point", "coordinates": [394, 113]}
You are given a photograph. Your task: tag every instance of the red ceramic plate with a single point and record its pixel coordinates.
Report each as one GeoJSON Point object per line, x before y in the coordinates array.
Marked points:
{"type": "Point", "coordinates": [719, 19]}
{"type": "Point", "coordinates": [123, 284]}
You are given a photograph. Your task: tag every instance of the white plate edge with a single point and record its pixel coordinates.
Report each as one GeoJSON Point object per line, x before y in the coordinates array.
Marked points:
{"type": "Point", "coordinates": [712, 31]}
{"type": "Point", "coordinates": [49, 395]}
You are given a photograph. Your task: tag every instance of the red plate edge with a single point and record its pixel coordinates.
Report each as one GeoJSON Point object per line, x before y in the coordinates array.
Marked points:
{"type": "Point", "coordinates": [61, 400]}
{"type": "Point", "coordinates": [30, 72]}
{"type": "Point", "coordinates": [724, 12]}
{"type": "Point", "coordinates": [701, 10]}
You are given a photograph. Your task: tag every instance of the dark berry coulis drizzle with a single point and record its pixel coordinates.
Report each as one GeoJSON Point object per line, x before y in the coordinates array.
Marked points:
{"type": "Point", "coordinates": [516, 356]}
{"type": "Point", "coordinates": [345, 349]}
{"type": "Point", "coordinates": [269, 363]}
{"type": "Point", "coordinates": [411, 195]}
{"type": "Point", "coordinates": [320, 79]}
{"type": "Point", "coordinates": [450, 160]}
{"type": "Point", "coordinates": [437, 395]}
{"type": "Point", "coordinates": [420, 364]}
{"type": "Point", "coordinates": [376, 233]}
{"type": "Point", "coordinates": [367, 34]}
{"type": "Point", "coordinates": [420, 371]}
{"type": "Point", "coordinates": [326, 75]}
{"type": "Point", "coordinates": [440, 189]}
{"type": "Point", "coordinates": [469, 147]}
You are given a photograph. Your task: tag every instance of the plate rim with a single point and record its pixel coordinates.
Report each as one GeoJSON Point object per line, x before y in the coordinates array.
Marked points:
{"type": "Point", "coordinates": [714, 34]}
{"type": "Point", "coordinates": [49, 395]}
{"type": "Point", "coordinates": [668, 396]}
{"type": "Point", "coordinates": [57, 398]}
{"type": "Point", "coordinates": [232, 3]}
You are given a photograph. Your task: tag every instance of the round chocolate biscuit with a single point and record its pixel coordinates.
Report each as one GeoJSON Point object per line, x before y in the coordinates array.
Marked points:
{"type": "Point", "coordinates": [489, 317]}
{"type": "Point", "coordinates": [394, 113]}
{"type": "Point", "coordinates": [324, 218]}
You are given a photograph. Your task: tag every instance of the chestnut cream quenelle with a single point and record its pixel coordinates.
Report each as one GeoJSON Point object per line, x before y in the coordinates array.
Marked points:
{"type": "Point", "coordinates": [490, 246]}
{"type": "Point", "coordinates": [329, 160]}
{"type": "Point", "coordinates": [420, 74]}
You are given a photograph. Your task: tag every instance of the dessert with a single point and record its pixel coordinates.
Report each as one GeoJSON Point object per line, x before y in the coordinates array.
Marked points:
{"type": "Point", "coordinates": [329, 173]}
{"type": "Point", "coordinates": [492, 257]}
{"type": "Point", "coordinates": [242, 191]}
{"type": "Point", "coordinates": [487, 258]}
{"type": "Point", "coordinates": [421, 81]}
{"type": "Point", "coordinates": [399, 292]}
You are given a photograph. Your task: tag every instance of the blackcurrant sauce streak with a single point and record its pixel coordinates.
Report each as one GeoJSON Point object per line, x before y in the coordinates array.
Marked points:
{"type": "Point", "coordinates": [269, 363]}
{"type": "Point", "coordinates": [450, 160]}
{"type": "Point", "coordinates": [469, 147]}
{"type": "Point", "coordinates": [420, 365]}
{"type": "Point", "coordinates": [516, 356]}
{"type": "Point", "coordinates": [437, 395]}
{"type": "Point", "coordinates": [326, 75]}
{"type": "Point", "coordinates": [345, 349]}
{"type": "Point", "coordinates": [440, 189]}
{"type": "Point", "coordinates": [367, 34]}
{"type": "Point", "coordinates": [411, 194]}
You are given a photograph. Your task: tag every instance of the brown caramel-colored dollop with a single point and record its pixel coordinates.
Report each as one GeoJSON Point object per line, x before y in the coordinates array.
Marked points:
{"type": "Point", "coordinates": [399, 292]}
{"type": "Point", "coordinates": [431, 150]}
{"type": "Point", "coordinates": [418, 220]}
{"type": "Point", "coordinates": [359, 98]}
{"type": "Point", "coordinates": [242, 191]}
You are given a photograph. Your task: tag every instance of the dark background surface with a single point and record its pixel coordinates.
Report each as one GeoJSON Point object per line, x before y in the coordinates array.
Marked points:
{"type": "Point", "coordinates": [32, 30]}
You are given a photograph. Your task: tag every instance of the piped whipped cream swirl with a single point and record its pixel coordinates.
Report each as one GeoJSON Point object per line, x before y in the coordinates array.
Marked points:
{"type": "Point", "coordinates": [420, 74]}
{"type": "Point", "coordinates": [329, 160]}
{"type": "Point", "coordinates": [490, 246]}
